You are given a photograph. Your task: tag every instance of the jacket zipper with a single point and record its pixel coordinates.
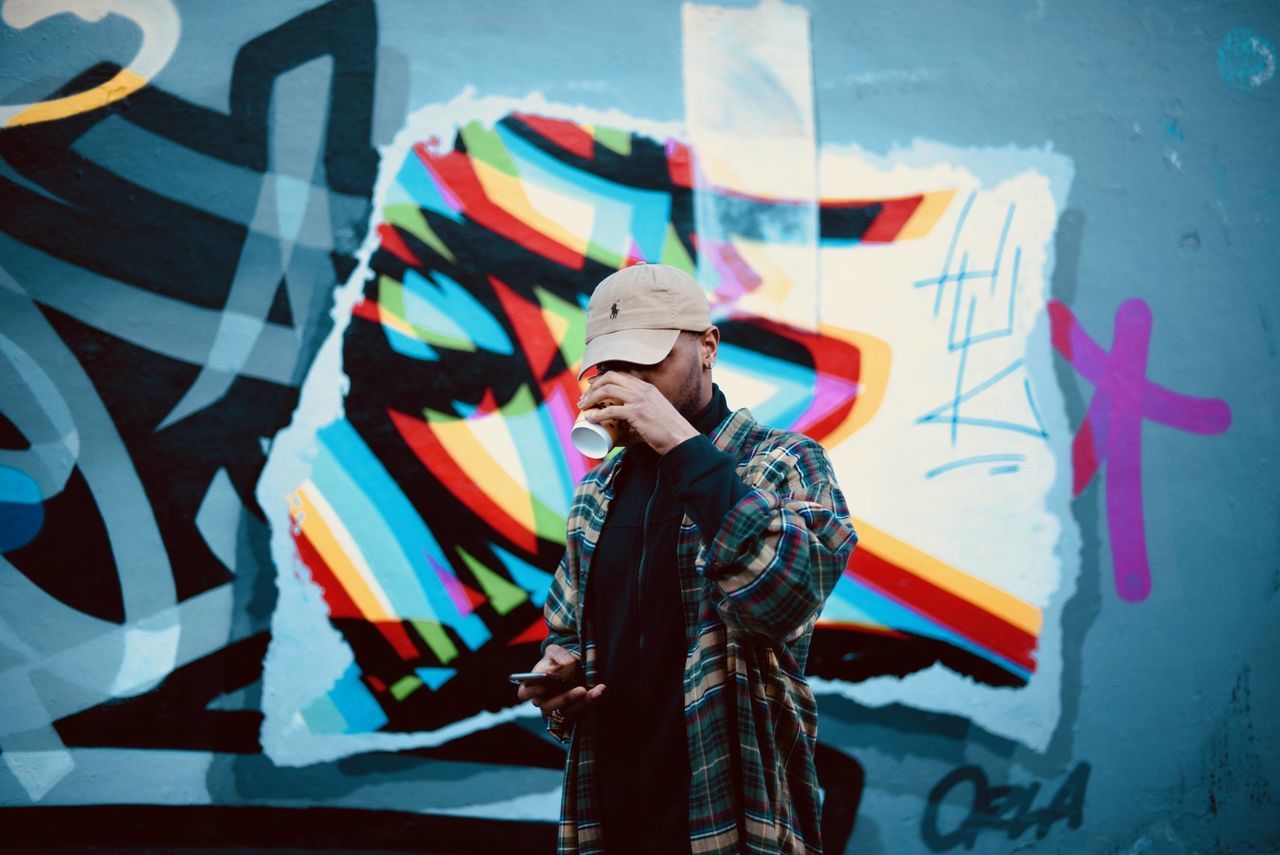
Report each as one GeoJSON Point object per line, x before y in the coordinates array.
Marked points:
{"type": "Point", "coordinates": [644, 550]}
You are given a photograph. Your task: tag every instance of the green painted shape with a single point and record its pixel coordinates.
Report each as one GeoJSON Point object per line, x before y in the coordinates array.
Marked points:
{"type": "Point", "coordinates": [410, 219]}
{"type": "Point", "coordinates": [486, 146]}
{"type": "Point", "coordinates": [574, 341]}
{"type": "Point", "coordinates": [405, 686]}
{"type": "Point", "coordinates": [604, 255]}
{"type": "Point", "coordinates": [391, 296]}
{"type": "Point", "coordinates": [613, 139]}
{"type": "Point", "coordinates": [437, 639]}
{"type": "Point", "coordinates": [674, 253]}
{"type": "Point", "coordinates": [521, 403]}
{"type": "Point", "coordinates": [547, 523]}
{"type": "Point", "coordinates": [503, 595]}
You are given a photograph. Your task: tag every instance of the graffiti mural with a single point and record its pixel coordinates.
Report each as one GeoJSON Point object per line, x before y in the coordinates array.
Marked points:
{"type": "Point", "coordinates": [474, 302]}
{"type": "Point", "coordinates": [154, 337]}
{"type": "Point", "coordinates": [292, 299]}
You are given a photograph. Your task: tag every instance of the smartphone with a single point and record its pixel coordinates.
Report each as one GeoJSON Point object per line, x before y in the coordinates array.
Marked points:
{"type": "Point", "coordinates": [537, 678]}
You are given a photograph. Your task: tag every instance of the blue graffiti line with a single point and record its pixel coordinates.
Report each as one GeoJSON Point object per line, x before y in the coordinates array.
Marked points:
{"type": "Point", "coordinates": [964, 274]}
{"type": "Point", "coordinates": [993, 276]}
{"type": "Point", "coordinates": [1035, 411]}
{"type": "Point", "coordinates": [941, 281]}
{"type": "Point", "coordinates": [964, 357]}
{"type": "Point", "coordinates": [974, 461]}
{"type": "Point", "coordinates": [1007, 330]}
{"type": "Point", "coordinates": [1002, 470]}
{"type": "Point", "coordinates": [949, 413]}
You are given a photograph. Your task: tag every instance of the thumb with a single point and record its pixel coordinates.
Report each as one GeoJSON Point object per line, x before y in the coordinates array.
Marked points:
{"type": "Point", "coordinates": [561, 656]}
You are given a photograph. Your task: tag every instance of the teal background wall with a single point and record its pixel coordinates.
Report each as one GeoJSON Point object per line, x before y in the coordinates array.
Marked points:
{"type": "Point", "coordinates": [183, 257]}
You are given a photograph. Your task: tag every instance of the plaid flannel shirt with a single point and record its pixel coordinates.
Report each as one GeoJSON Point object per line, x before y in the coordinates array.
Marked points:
{"type": "Point", "coordinates": [751, 598]}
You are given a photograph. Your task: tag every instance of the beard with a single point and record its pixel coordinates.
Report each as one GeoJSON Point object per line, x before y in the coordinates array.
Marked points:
{"type": "Point", "coordinates": [688, 401]}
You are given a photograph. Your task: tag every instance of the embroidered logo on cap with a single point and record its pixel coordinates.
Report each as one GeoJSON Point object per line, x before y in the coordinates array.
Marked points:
{"type": "Point", "coordinates": [613, 312]}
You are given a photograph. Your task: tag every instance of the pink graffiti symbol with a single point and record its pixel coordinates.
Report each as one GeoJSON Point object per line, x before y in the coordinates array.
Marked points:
{"type": "Point", "coordinates": [1112, 427]}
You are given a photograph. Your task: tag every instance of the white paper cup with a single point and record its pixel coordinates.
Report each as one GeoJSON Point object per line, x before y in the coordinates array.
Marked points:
{"type": "Point", "coordinates": [593, 440]}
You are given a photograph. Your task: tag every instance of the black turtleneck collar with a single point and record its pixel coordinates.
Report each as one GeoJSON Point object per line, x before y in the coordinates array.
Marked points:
{"type": "Point", "coordinates": [710, 416]}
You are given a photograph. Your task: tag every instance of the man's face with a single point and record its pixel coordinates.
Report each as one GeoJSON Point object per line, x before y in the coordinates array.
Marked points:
{"type": "Point", "coordinates": [678, 377]}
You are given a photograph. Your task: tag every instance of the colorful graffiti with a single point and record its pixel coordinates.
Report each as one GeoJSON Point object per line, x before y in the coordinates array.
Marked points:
{"type": "Point", "coordinates": [428, 510]}
{"type": "Point", "coordinates": [284, 396]}
{"type": "Point", "coordinates": [484, 257]}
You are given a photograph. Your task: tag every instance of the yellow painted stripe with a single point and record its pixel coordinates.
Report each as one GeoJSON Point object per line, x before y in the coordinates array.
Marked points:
{"type": "Point", "coordinates": [995, 600]}
{"type": "Point", "coordinates": [319, 527]}
{"type": "Point", "coordinates": [122, 85]}
{"type": "Point", "coordinates": [926, 214]}
{"type": "Point", "coordinates": [760, 256]}
{"type": "Point", "coordinates": [398, 324]}
{"type": "Point", "coordinates": [509, 194]}
{"type": "Point", "coordinates": [480, 466]}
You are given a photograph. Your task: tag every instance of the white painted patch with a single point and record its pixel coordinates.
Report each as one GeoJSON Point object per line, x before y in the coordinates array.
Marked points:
{"type": "Point", "coordinates": [749, 107]}
{"type": "Point", "coordinates": [149, 655]}
{"type": "Point", "coordinates": [534, 807]}
{"type": "Point", "coordinates": [217, 518]}
{"type": "Point", "coordinates": [38, 771]}
{"type": "Point", "coordinates": [1006, 522]}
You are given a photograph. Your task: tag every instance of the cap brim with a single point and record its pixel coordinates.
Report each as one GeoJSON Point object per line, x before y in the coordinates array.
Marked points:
{"type": "Point", "coordinates": [642, 347]}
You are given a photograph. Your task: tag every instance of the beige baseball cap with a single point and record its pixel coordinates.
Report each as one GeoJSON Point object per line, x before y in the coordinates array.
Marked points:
{"type": "Point", "coordinates": [636, 314]}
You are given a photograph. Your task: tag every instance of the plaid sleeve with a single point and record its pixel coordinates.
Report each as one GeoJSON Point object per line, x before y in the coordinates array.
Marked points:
{"type": "Point", "coordinates": [561, 610]}
{"type": "Point", "coordinates": [783, 546]}
{"type": "Point", "coordinates": [561, 614]}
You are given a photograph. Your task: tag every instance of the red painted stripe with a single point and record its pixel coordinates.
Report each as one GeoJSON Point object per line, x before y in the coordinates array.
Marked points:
{"type": "Point", "coordinates": [536, 341]}
{"type": "Point", "coordinates": [535, 633]}
{"type": "Point", "coordinates": [893, 215]}
{"type": "Point", "coordinates": [831, 356]}
{"type": "Point", "coordinates": [391, 241]}
{"type": "Point", "coordinates": [335, 595]}
{"type": "Point", "coordinates": [679, 164]}
{"type": "Point", "coordinates": [396, 635]}
{"type": "Point", "coordinates": [367, 310]}
{"type": "Point", "coordinates": [455, 172]}
{"type": "Point", "coordinates": [942, 607]}
{"type": "Point", "coordinates": [569, 136]}
{"type": "Point", "coordinates": [422, 441]}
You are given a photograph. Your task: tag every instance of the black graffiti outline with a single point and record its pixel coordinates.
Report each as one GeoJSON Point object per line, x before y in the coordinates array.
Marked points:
{"type": "Point", "coordinates": [1006, 807]}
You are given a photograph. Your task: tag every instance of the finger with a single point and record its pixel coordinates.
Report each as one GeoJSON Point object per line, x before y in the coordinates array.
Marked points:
{"type": "Point", "coordinates": [603, 392]}
{"type": "Point", "coordinates": [580, 702]}
{"type": "Point", "coordinates": [604, 414]}
{"type": "Point", "coordinates": [576, 706]}
{"type": "Point", "coordinates": [622, 379]}
{"type": "Point", "coordinates": [561, 657]}
{"type": "Point", "coordinates": [528, 693]}
{"type": "Point", "coordinates": [558, 702]}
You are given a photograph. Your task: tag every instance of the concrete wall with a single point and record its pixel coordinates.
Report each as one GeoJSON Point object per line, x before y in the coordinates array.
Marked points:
{"type": "Point", "coordinates": [290, 306]}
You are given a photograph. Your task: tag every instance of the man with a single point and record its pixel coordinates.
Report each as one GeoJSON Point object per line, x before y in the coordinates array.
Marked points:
{"type": "Point", "coordinates": [696, 563]}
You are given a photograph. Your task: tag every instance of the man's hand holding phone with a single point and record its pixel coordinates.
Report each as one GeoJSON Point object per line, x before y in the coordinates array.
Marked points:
{"type": "Point", "coordinates": [562, 695]}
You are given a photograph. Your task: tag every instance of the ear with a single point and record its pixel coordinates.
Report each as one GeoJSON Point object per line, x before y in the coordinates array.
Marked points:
{"type": "Point", "coordinates": [709, 346]}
